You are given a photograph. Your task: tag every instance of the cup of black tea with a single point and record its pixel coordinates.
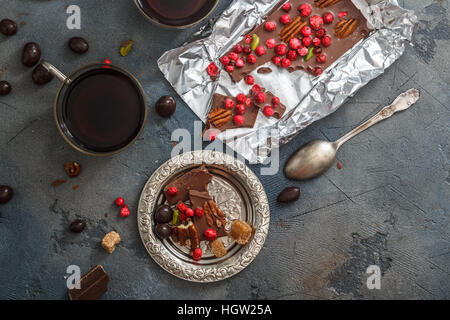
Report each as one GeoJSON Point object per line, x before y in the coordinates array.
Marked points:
{"type": "Point", "coordinates": [100, 109]}
{"type": "Point", "coordinates": [178, 14]}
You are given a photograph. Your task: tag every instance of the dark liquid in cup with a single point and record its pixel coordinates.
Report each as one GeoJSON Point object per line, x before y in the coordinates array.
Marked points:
{"type": "Point", "coordinates": [177, 12]}
{"type": "Point", "coordinates": [104, 110]}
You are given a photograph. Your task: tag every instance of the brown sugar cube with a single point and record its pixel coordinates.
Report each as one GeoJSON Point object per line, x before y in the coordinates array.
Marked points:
{"type": "Point", "coordinates": [217, 248]}
{"type": "Point", "coordinates": [240, 232]}
{"type": "Point", "coordinates": [110, 240]}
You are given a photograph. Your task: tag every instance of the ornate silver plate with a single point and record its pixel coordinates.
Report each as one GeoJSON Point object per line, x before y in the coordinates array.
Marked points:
{"type": "Point", "coordinates": [237, 191]}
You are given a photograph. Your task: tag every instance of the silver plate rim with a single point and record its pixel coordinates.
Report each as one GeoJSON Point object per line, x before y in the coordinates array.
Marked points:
{"type": "Point", "coordinates": [202, 273]}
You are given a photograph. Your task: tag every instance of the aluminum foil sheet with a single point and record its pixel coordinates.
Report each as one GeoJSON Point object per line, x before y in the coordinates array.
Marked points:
{"type": "Point", "coordinates": [306, 97]}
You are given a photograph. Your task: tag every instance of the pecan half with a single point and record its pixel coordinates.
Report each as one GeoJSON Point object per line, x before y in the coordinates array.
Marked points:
{"type": "Point", "coordinates": [208, 214]}
{"type": "Point", "coordinates": [344, 28]}
{"type": "Point", "coordinates": [325, 3]}
{"type": "Point", "coordinates": [292, 29]}
{"type": "Point", "coordinates": [219, 116]}
{"type": "Point", "coordinates": [218, 214]}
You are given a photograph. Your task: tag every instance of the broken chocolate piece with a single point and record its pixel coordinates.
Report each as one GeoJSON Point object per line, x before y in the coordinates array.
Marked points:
{"type": "Point", "coordinates": [325, 3]}
{"type": "Point", "coordinates": [92, 285]}
{"type": "Point", "coordinates": [278, 111]}
{"type": "Point", "coordinates": [198, 198]}
{"type": "Point", "coordinates": [344, 28]}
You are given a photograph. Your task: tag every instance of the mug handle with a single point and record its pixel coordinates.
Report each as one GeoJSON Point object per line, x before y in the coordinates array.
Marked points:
{"type": "Point", "coordinates": [53, 70]}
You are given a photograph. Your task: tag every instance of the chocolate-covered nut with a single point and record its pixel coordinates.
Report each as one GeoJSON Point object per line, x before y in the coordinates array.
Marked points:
{"type": "Point", "coordinates": [162, 230]}
{"type": "Point", "coordinates": [78, 45]}
{"type": "Point", "coordinates": [77, 226]}
{"type": "Point", "coordinates": [165, 106]}
{"type": "Point", "coordinates": [41, 75]}
{"type": "Point", "coordinates": [164, 214]}
{"type": "Point", "coordinates": [31, 54]}
{"type": "Point", "coordinates": [289, 194]}
{"type": "Point", "coordinates": [6, 193]}
{"type": "Point", "coordinates": [8, 27]}
{"type": "Point", "coordinates": [5, 88]}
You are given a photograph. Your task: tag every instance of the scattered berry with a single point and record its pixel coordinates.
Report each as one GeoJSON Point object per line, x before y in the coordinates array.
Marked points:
{"type": "Point", "coordinates": [240, 108]}
{"type": "Point", "coordinates": [238, 120]}
{"type": "Point", "coordinates": [230, 69]}
{"type": "Point", "coordinates": [285, 19]}
{"type": "Point", "coordinates": [120, 201]}
{"type": "Point", "coordinates": [248, 39]}
{"type": "Point", "coordinates": [229, 104]}
{"type": "Point", "coordinates": [211, 135]}
{"type": "Point", "coordinates": [281, 49]}
{"type": "Point", "coordinates": [197, 254]}
{"type": "Point", "coordinates": [248, 102]}
{"type": "Point", "coordinates": [237, 48]}
{"type": "Point", "coordinates": [328, 17]}
{"type": "Point", "coordinates": [286, 7]}
{"type": "Point", "coordinates": [260, 50]}
{"type": "Point", "coordinates": [240, 98]}
{"type": "Point", "coordinates": [306, 31]}
{"type": "Point", "coordinates": [316, 22]}
{"type": "Point", "coordinates": [260, 97]}
{"type": "Point", "coordinates": [172, 191]}
{"type": "Point", "coordinates": [318, 71]}
{"type": "Point", "coordinates": [276, 60]}
{"type": "Point", "coordinates": [270, 26]}
{"type": "Point", "coordinates": [247, 50]}
{"type": "Point", "coordinates": [182, 207]}
{"type": "Point", "coordinates": [302, 51]}
{"type": "Point", "coordinates": [305, 10]}
{"type": "Point", "coordinates": [295, 43]}
{"type": "Point", "coordinates": [124, 212]}
{"type": "Point", "coordinates": [275, 101]}
{"type": "Point", "coordinates": [316, 42]}
{"type": "Point", "coordinates": [210, 234]}
{"type": "Point", "coordinates": [321, 58]}
{"type": "Point", "coordinates": [225, 61]}
{"type": "Point", "coordinates": [189, 212]}
{"type": "Point", "coordinates": [212, 70]}
{"type": "Point", "coordinates": [199, 212]}
{"type": "Point", "coordinates": [268, 111]}
{"type": "Point", "coordinates": [251, 59]}
{"type": "Point", "coordinates": [306, 41]}
{"type": "Point", "coordinates": [326, 41]}
{"type": "Point", "coordinates": [240, 63]}
{"type": "Point", "coordinates": [270, 43]}
{"type": "Point", "coordinates": [321, 32]}
{"type": "Point", "coordinates": [233, 56]}
{"type": "Point", "coordinates": [342, 14]}
{"type": "Point", "coordinates": [291, 55]}
{"type": "Point", "coordinates": [249, 80]}
{"type": "Point", "coordinates": [107, 61]}
{"type": "Point", "coordinates": [285, 62]}
{"type": "Point", "coordinates": [256, 88]}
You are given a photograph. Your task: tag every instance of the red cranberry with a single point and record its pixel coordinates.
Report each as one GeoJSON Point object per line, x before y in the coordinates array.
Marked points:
{"type": "Point", "coordinates": [305, 10]}
{"type": "Point", "coordinates": [240, 63]}
{"type": "Point", "coordinates": [212, 70]}
{"type": "Point", "coordinates": [237, 48]}
{"type": "Point", "coordinates": [268, 111]}
{"type": "Point", "coordinates": [270, 26]}
{"type": "Point", "coordinates": [249, 80]}
{"type": "Point", "coordinates": [306, 41]}
{"type": "Point", "coordinates": [182, 207]}
{"type": "Point", "coordinates": [285, 63]}
{"type": "Point", "coordinates": [248, 102]}
{"type": "Point", "coordinates": [248, 39]}
{"type": "Point", "coordinates": [321, 58]}
{"type": "Point", "coordinates": [197, 254]}
{"type": "Point", "coordinates": [251, 59]}
{"type": "Point", "coordinates": [276, 60]}
{"type": "Point", "coordinates": [260, 97]}
{"type": "Point", "coordinates": [318, 71]}
{"type": "Point", "coordinates": [256, 88]}
{"type": "Point", "coordinates": [326, 41]}
{"type": "Point", "coordinates": [247, 50]}
{"type": "Point", "coordinates": [210, 136]}
{"type": "Point", "coordinates": [291, 55]}
{"type": "Point", "coordinates": [230, 69]}
{"type": "Point", "coordinates": [124, 212]}
{"type": "Point", "coordinates": [285, 19]}
{"type": "Point", "coordinates": [229, 104]}
{"type": "Point", "coordinates": [199, 212]}
{"type": "Point", "coordinates": [342, 14]}
{"type": "Point", "coordinates": [321, 32]}
{"type": "Point", "coordinates": [210, 234]}
{"type": "Point", "coordinates": [295, 43]}
{"type": "Point", "coordinates": [302, 51]}
{"type": "Point", "coordinates": [233, 56]}
{"type": "Point", "coordinates": [240, 98]}
{"type": "Point", "coordinates": [225, 61]}
{"type": "Point", "coordinates": [281, 49]}
{"type": "Point", "coordinates": [286, 7]}
{"type": "Point", "coordinates": [238, 120]}
{"type": "Point", "coordinates": [316, 42]}
{"type": "Point", "coordinates": [260, 50]}
{"type": "Point", "coordinates": [275, 101]}
{"type": "Point", "coordinates": [120, 201]}
{"type": "Point", "coordinates": [270, 43]}
{"type": "Point", "coordinates": [328, 17]}
{"type": "Point", "coordinates": [189, 212]}
{"type": "Point", "coordinates": [317, 50]}
{"type": "Point", "coordinates": [306, 31]}
{"type": "Point", "coordinates": [316, 22]}
{"type": "Point", "coordinates": [240, 108]}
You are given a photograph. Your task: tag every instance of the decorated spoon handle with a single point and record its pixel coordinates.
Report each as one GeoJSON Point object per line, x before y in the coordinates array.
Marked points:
{"type": "Point", "coordinates": [402, 102]}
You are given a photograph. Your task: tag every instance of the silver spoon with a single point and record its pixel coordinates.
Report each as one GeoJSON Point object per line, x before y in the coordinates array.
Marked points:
{"type": "Point", "coordinates": [317, 156]}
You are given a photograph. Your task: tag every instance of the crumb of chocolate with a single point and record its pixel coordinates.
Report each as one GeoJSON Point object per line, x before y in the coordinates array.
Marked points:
{"type": "Point", "coordinates": [264, 70]}
{"type": "Point", "coordinates": [106, 215]}
{"type": "Point", "coordinates": [75, 186]}
{"type": "Point", "coordinates": [58, 182]}
{"type": "Point", "coordinates": [72, 168]}
{"type": "Point", "coordinates": [110, 240]}
{"type": "Point", "coordinates": [339, 165]}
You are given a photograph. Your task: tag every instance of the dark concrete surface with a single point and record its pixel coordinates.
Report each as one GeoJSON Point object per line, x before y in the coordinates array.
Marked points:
{"type": "Point", "coordinates": [389, 205]}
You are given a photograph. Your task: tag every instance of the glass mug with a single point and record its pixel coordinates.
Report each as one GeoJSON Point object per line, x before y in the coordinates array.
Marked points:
{"type": "Point", "coordinates": [100, 109]}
